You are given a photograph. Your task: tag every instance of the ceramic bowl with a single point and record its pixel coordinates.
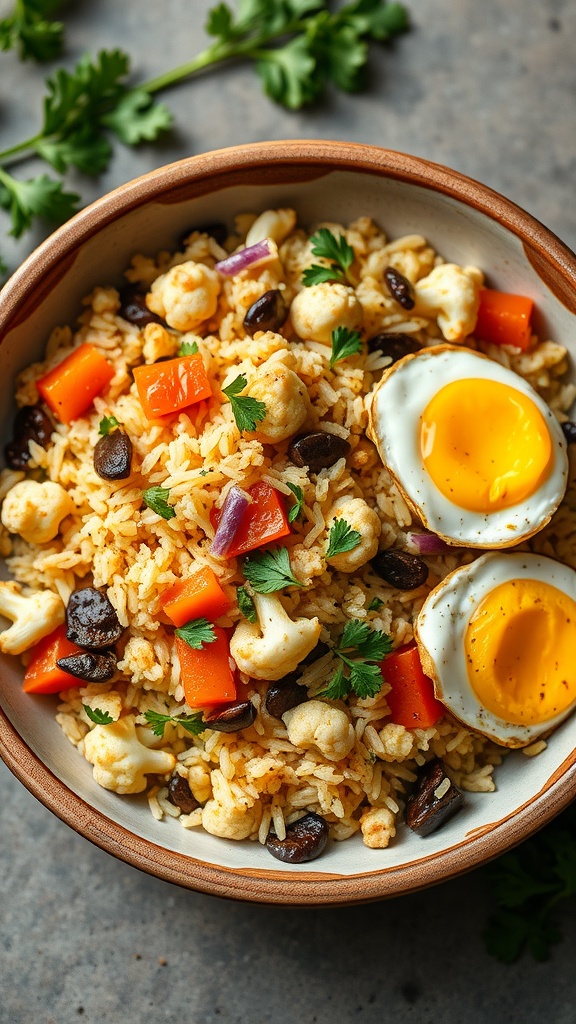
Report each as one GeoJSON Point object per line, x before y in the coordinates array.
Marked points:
{"type": "Point", "coordinates": [467, 223]}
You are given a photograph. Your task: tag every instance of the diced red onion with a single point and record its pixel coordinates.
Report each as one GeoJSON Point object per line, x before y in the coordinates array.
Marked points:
{"type": "Point", "coordinates": [427, 543]}
{"type": "Point", "coordinates": [260, 252]}
{"type": "Point", "coordinates": [233, 509]}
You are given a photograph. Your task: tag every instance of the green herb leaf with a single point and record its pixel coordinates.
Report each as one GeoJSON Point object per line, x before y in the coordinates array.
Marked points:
{"type": "Point", "coordinates": [29, 31]}
{"type": "Point", "coordinates": [196, 633]}
{"type": "Point", "coordinates": [246, 605]}
{"type": "Point", "coordinates": [375, 604]}
{"type": "Point", "coordinates": [344, 343]}
{"type": "Point", "coordinates": [339, 686]}
{"type": "Point", "coordinates": [97, 716]}
{"type": "Point", "coordinates": [365, 680]}
{"type": "Point", "coordinates": [288, 74]}
{"type": "Point", "coordinates": [137, 118]}
{"type": "Point", "coordinates": [269, 571]}
{"type": "Point", "coordinates": [360, 651]}
{"type": "Point", "coordinates": [342, 538]}
{"type": "Point", "coordinates": [247, 411]}
{"type": "Point", "coordinates": [295, 509]}
{"type": "Point", "coordinates": [337, 250]}
{"type": "Point", "coordinates": [156, 498]}
{"type": "Point", "coordinates": [194, 724]}
{"type": "Point", "coordinates": [188, 348]}
{"type": "Point", "coordinates": [107, 423]}
{"type": "Point", "coordinates": [317, 274]}
{"type": "Point", "coordinates": [37, 197]}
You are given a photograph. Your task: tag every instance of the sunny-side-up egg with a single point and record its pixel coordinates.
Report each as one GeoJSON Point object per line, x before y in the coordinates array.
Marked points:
{"type": "Point", "coordinates": [498, 639]}
{"type": "Point", "coordinates": [478, 455]}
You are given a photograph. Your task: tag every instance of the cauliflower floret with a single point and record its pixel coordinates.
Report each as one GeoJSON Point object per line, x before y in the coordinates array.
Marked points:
{"type": "Point", "coordinates": [274, 645]}
{"type": "Point", "coordinates": [229, 822]}
{"type": "Point", "coordinates": [315, 724]}
{"type": "Point", "coordinates": [359, 516]}
{"type": "Point", "coordinates": [120, 758]}
{"type": "Point", "coordinates": [452, 294]}
{"type": "Point", "coordinates": [33, 617]}
{"type": "Point", "coordinates": [36, 510]}
{"type": "Point", "coordinates": [398, 742]}
{"type": "Point", "coordinates": [274, 224]}
{"type": "Point", "coordinates": [378, 827]}
{"type": "Point", "coordinates": [158, 343]}
{"type": "Point", "coordinates": [286, 400]}
{"type": "Point", "coordinates": [185, 296]}
{"type": "Point", "coordinates": [316, 311]}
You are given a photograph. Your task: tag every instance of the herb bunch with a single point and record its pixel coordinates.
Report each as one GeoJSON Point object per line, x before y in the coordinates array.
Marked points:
{"type": "Point", "coordinates": [29, 31]}
{"type": "Point", "coordinates": [360, 651]}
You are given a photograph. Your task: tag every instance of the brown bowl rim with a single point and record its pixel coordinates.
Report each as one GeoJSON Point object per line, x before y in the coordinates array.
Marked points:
{"type": "Point", "coordinates": [296, 160]}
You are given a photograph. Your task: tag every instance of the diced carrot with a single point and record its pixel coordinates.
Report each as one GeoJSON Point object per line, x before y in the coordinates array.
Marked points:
{"type": "Point", "coordinates": [43, 674]}
{"type": "Point", "coordinates": [504, 319]}
{"type": "Point", "coordinates": [169, 387]}
{"type": "Point", "coordinates": [71, 387]}
{"type": "Point", "coordinates": [264, 521]}
{"type": "Point", "coordinates": [200, 596]}
{"type": "Point", "coordinates": [206, 674]}
{"type": "Point", "coordinates": [411, 700]}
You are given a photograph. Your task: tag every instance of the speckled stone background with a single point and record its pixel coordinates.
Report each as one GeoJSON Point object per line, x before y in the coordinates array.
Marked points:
{"type": "Point", "coordinates": [488, 88]}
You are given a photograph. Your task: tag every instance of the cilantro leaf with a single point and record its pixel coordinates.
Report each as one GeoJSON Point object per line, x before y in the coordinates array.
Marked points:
{"type": "Point", "coordinates": [246, 605]}
{"type": "Point", "coordinates": [344, 343]}
{"type": "Point", "coordinates": [188, 348]}
{"type": "Point", "coordinates": [360, 650]}
{"type": "Point", "coordinates": [354, 632]}
{"type": "Point", "coordinates": [98, 716]}
{"type": "Point", "coordinates": [79, 149]}
{"type": "Point", "coordinates": [295, 509]}
{"type": "Point", "coordinates": [107, 423]}
{"type": "Point", "coordinates": [29, 31]}
{"type": "Point", "coordinates": [247, 411]}
{"type": "Point", "coordinates": [375, 604]}
{"type": "Point", "coordinates": [337, 250]}
{"type": "Point", "coordinates": [342, 538]}
{"type": "Point", "coordinates": [317, 274]}
{"type": "Point", "coordinates": [194, 724]}
{"type": "Point", "coordinates": [156, 498]}
{"type": "Point", "coordinates": [288, 74]}
{"type": "Point", "coordinates": [365, 680]}
{"type": "Point", "coordinates": [137, 118]}
{"type": "Point", "coordinates": [196, 633]}
{"type": "Point", "coordinates": [269, 571]}
{"type": "Point", "coordinates": [37, 197]}
{"type": "Point", "coordinates": [339, 686]}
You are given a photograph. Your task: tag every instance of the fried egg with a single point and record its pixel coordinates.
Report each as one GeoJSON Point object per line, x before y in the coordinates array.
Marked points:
{"type": "Point", "coordinates": [498, 639]}
{"type": "Point", "coordinates": [475, 451]}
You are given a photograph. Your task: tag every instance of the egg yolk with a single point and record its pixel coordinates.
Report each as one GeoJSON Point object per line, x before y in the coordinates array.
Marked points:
{"type": "Point", "coordinates": [519, 646]}
{"type": "Point", "coordinates": [485, 445]}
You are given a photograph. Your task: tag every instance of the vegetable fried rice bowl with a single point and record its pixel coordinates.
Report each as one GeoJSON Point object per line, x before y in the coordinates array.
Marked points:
{"type": "Point", "coordinates": [228, 580]}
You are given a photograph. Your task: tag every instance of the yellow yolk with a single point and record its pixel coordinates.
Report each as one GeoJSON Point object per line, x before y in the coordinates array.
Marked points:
{"type": "Point", "coordinates": [519, 646]}
{"type": "Point", "coordinates": [485, 445]}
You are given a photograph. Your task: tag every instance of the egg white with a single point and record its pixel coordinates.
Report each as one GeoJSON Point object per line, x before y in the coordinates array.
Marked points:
{"type": "Point", "coordinates": [397, 406]}
{"type": "Point", "coordinates": [440, 632]}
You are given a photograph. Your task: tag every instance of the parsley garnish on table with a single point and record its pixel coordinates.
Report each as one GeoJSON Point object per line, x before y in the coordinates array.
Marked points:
{"type": "Point", "coordinates": [269, 571]}
{"type": "Point", "coordinates": [247, 411]}
{"type": "Point", "coordinates": [360, 650]}
{"type": "Point", "coordinates": [29, 30]}
{"type": "Point", "coordinates": [342, 538]}
{"type": "Point", "coordinates": [337, 251]}
{"type": "Point", "coordinates": [193, 724]}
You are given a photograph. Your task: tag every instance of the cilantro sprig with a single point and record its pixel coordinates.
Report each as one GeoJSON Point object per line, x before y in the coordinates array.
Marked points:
{"type": "Point", "coordinates": [337, 251]}
{"type": "Point", "coordinates": [188, 348]}
{"type": "Point", "coordinates": [29, 31]}
{"type": "Point", "coordinates": [156, 499]}
{"type": "Point", "coordinates": [107, 423]}
{"type": "Point", "coordinates": [342, 538]}
{"type": "Point", "coordinates": [247, 411]}
{"type": "Point", "coordinates": [194, 724]}
{"type": "Point", "coordinates": [360, 651]}
{"type": "Point", "coordinates": [344, 343]}
{"type": "Point", "coordinates": [98, 716]}
{"type": "Point", "coordinates": [269, 571]}
{"type": "Point", "coordinates": [196, 633]}
{"type": "Point", "coordinates": [298, 504]}
{"type": "Point", "coordinates": [246, 605]}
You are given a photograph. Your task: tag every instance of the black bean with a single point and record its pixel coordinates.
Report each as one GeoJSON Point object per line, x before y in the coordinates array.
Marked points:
{"type": "Point", "coordinates": [92, 666]}
{"type": "Point", "coordinates": [217, 230]}
{"type": "Point", "coordinates": [317, 450]}
{"type": "Point", "coordinates": [305, 840]}
{"type": "Point", "coordinates": [180, 794]}
{"type": "Point", "coordinates": [400, 288]}
{"type": "Point", "coordinates": [425, 812]}
{"type": "Point", "coordinates": [30, 424]}
{"type": "Point", "coordinates": [91, 620]}
{"type": "Point", "coordinates": [268, 313]}
{"type": "Point", "coordinates": [113, 456]}
{"type": "Point", "coordinates": [233, 718]}
{"type": "Point", "coordinates": [395, 346]}
{"type": "Point", "coordinates": [284, 695]}
{"type": "Point", "coordinates": [400, 569]}
{"type": "Point", "coordinates": [569, 429]}
{"type": "Point", "coordinates": [133, 308]}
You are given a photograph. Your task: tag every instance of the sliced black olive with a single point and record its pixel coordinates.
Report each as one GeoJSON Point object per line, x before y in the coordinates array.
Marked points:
{"type": "Point", "coordinates": [233, 718]}
{"type": "Point", "coordinates": [180, 794]}
{"type": "Point", "coordinates": [425, 811]}
{"type": "Point", "coordinates": [30, 424]}
{"type": "Point", "coordinates": [91, 620]}
{"type": "Point", "coordinates": [217, 230]}
{"type": "Point", "coordinates": [305, 840]}
{"type": "Point", "coordinates": [400, 288]}
{"type": "Point", "coordinates": [569, 430]}
{"type": "Point", "coordinates": [400, 569]}
{"type": "Point", "coordinates": [92, 666]}
{"type": "Point", "coordinates": [395, 346]}
{"type": "Point", "coordinates": [113, 456]}
{"type": "Point", "coordinates": [133, 307]}
{"type": "Point", "coordinates": [268, 313]}
{"type": "Point", "coordinates": [284, 695]}
{"type": "Point", "coordinates": [317, 450]}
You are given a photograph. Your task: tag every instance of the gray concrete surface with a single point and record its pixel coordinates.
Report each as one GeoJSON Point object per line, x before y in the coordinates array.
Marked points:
{"type": "Point", "coordinates": [488, 88]}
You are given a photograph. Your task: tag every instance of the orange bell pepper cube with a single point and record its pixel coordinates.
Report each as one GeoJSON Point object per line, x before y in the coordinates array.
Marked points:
{"type": "Point", "coordinates": [200, 596]}
{"type": "Point", "coordinates": [167, 388]}
{"type": "Point", "coordinates": [206, 674]}
{"type": "Point", "coordinates": [504, 319]}
{"type": "Point", "coordinates": [43, 674]}
{"type": "Point", "coordinates": [71, 387]}
{"type": "Point", "coordinates": [264, 521]}
{"type": "Point", "coordinates": [411, 700]}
